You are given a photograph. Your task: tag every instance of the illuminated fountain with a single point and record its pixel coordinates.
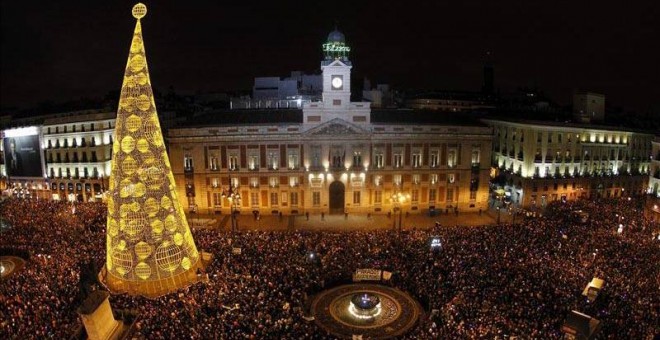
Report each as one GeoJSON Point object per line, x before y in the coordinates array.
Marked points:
{"type": "Point", "coordinates": [365, 306]}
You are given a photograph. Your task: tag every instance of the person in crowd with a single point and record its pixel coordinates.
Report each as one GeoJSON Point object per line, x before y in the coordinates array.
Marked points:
{"type": "Point", "coordinates": [490, 282]}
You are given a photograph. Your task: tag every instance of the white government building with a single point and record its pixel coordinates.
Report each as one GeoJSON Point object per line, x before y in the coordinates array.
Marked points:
{"type": "Point", "coordinates": [333, 156]}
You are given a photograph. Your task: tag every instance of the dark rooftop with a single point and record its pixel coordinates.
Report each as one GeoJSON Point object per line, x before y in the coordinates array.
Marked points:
{"type": "Point", "coordinates": [433, 117]}
{"type": "Point", "coordinates": [247, 117]}
{"type": "Point", "coordinates": [449, 95]}
{"type": "Point", "coordinates": [573, 125]}
{"type": "Point", "coordinates": [295, 116]}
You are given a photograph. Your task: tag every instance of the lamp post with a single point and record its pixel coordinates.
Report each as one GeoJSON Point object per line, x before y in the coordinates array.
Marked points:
{"type": "Point", "coordinates": [398, 199]}
{"type": "Point", "coordinates": [234, 201]}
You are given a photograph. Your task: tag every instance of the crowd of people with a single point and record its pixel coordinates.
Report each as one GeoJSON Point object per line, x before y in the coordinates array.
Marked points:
{"type": "Point", "coordinates": [41, 299]}
{"type": "Point", "coordinates": [486, 281]}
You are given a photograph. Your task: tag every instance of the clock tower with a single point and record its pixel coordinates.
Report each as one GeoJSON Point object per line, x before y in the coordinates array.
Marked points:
{"type": "Point", "coordinates": [336, 70]}
{"type": "Point", "coordinates": [336, 105]}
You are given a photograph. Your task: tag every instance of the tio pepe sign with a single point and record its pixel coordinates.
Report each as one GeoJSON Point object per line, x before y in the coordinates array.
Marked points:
{"type": "Point", "coordinates": [332, 47]}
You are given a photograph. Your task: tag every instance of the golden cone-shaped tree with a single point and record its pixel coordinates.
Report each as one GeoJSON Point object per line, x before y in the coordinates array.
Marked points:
{"type": "Point", "coordinates": [150, 249]}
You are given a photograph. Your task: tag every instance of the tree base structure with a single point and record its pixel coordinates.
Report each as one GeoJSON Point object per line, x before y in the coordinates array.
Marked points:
{"type": "Point", "coordinates": [154, 288]}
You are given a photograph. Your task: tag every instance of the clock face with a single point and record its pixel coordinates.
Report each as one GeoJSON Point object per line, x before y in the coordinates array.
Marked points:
{"type": "Point", "coordinates": [337, 82]}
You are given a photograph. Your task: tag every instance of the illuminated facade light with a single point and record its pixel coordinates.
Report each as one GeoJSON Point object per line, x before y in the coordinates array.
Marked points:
{"type": "Point", "coordinates": [20, 132]}
{"type": "Point", "coordinates": [149, 246]}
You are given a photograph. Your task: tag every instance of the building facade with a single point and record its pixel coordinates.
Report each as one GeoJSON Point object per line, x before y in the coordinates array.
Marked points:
{"type": "Point", "coordinates": [70, 158]}
{"type": "Point", "coordinates": [652, 208]}
{"type": "Point", "coordinates": [333, 156]}
{"type": "Point", "coordinates": [544, 163]}
{"type": "Point", "coordinates": [654, 173]}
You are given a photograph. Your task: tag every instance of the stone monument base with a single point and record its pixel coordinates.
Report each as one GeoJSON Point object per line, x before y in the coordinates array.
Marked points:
{"type": "Point", "coordinates": [97, 317]}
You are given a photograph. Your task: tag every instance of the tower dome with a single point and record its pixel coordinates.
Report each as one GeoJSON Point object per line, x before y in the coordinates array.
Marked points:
{"type": "Point", "coordinates": [336, 37]}
{"type": "Point", "coordinates": [335, 47]}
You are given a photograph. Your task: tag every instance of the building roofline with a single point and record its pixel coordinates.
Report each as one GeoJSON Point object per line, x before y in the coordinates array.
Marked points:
{"type": "Point", "coordinates": [567, 125]}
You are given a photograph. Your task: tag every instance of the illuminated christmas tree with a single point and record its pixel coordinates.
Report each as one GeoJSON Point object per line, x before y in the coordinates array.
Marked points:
{"type": "Point", "coordinates": [150, 249]}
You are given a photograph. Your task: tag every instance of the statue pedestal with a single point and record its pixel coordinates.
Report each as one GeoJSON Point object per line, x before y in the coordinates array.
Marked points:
{"type": "Point", "coordinates": [97, 316]}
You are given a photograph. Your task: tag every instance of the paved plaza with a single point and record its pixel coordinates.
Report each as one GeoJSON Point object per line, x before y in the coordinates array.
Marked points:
{"type": "Point", "coordinates": [342, 222]}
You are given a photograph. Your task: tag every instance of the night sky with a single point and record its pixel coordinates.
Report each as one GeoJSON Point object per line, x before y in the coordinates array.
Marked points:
{"type": "Point", "coordinates": [62, 50]}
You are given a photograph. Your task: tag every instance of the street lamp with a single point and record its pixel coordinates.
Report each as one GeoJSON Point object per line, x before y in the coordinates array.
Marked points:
{"type": "Point", "coordinates": [398, 199]}
{"type": "Point", "coordinates": [234, 201]}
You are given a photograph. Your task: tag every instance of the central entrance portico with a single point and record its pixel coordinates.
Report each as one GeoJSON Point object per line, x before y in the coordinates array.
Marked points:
{"type": "Point", "coordinates": [337, 195]}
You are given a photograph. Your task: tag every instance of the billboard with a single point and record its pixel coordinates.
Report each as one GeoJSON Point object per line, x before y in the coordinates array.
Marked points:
{"type": "Point", "coordinates": [23, 155]}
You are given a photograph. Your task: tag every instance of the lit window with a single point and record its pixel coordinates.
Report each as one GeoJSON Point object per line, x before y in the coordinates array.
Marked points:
{"type": "Point", "coordinates": [293, 181]}
{"type": "Point", "coordinates": [417, 159]}
{"type": "Point", "coordinates": [293, 161]}
{"type": "Point", "coordinates": [316, 157]}
{"type": "Point", "coordinates": [356, 197]}
{"type": "Point", "coordinates": [378, 160]}
{"type": "Point", "coordinates": [253, 162]}
{"type": "Point", "coordinates": [476, 159]}
{"type": "Point", "coordinates": [254, 199]}
{"type": "Point", "coordinates": [434, 159]}
{"type": "Point", "coordinates": [217, 199]}
{"type": "Point", "coordinates": [450, 194]}
{"type": "Point", "coordinates": [188, 162]}
{"type": "Point", "coordinates": [398, 160]}
{"type": "Point", "coordinates": [357, 159]}
{"type": "Point", "coordinates": [451, 158]}
{"type": "Point", "coordinates": [337, 159]}
{"type": "Point", "coordinates": [233, 162]}
{"type": "Point", "coordinates": [272, 160]}
{"type": "Point", "coordinates": [213, 163]}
